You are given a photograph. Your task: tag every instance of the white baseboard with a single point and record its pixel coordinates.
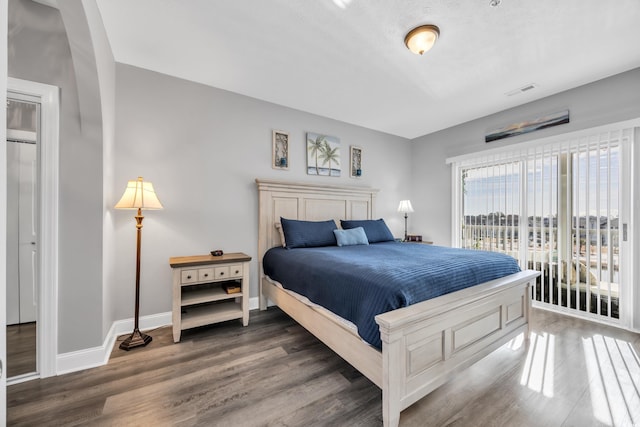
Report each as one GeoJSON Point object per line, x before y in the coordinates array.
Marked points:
{"type": "Point", "coordinates": [22, 378]}
{"type": "Point", "coordinates": [98, 356]}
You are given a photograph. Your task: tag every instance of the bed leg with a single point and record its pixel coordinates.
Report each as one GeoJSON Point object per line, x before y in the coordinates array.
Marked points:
{"type": "Point", "coordinates": [262, 299]}
{"type": "Point", "coordinates": [393, 375]}
{"type": "Point", "coordinates": [390, 413]}
{"type": "Point", "coordinates": [527, 308]}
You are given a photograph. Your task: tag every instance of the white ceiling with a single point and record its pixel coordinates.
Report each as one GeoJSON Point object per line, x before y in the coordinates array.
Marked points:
{"type": "Point", "coordinates": [346, 59]}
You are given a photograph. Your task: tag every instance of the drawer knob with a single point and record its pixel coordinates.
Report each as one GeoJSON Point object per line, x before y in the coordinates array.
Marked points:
{"type": "Point", "coordinates": [188, 277]}
{"type": "Point", "coordinates": [222, 273]}
{"type": "Point", "coordinates": [206, 274]}
{"type": "Point", "coordinates": [237, 271]}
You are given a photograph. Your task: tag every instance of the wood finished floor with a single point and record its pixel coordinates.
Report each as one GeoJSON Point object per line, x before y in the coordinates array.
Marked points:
{"type": "Point", "coordinates": [274, 373]}
{"type": "Point", "coordinates": [21, 349]}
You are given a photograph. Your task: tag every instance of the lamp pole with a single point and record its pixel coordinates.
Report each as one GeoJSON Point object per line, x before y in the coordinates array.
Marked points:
{"type": "Point", "coordinates": [138, 195]}
{"type": "Point", "coordinates": [137, 338]}
{"type": "Point", "coordinates": [405, 226]}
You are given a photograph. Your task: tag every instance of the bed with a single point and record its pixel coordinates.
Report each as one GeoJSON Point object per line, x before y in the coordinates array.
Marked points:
{"type": "Point", "coordinates": [422, 345]}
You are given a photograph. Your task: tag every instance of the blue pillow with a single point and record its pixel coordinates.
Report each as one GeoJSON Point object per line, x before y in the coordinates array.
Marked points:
{"type": "Point", "coordinates": [308, 234]}
{"type": "Point", "coordinates": [353, 236]}
{"type": "Point", "coordinates": [375, 229]}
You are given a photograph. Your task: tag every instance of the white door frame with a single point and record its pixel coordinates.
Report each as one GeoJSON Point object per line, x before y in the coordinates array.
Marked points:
{"type": "Point", "coordinates": [3, 211]}
{"type": "Point", "coordinates": [48, 165]}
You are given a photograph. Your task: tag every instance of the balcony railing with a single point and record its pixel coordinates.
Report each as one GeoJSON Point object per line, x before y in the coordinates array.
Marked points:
{"type": "Point", "coordinates": [584, 275]}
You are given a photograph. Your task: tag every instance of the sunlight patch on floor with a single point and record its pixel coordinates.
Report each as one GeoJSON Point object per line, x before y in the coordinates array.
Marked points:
{"type": "Point", "coordinates": [613, 368]}
{"type": "Point", "coordinates": [538, 372]}
{"type": "Point", "coordinates": [516, 343]}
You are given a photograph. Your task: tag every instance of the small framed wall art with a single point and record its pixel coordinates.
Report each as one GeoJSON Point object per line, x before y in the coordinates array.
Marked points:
{"type": "Point", "coordinates": [355, 170]}
{"type": "Point", "coordinates": [280, 151]}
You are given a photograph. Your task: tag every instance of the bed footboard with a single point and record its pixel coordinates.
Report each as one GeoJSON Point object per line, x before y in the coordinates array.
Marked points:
{"type": "Point", "coordinates": [426, 344]}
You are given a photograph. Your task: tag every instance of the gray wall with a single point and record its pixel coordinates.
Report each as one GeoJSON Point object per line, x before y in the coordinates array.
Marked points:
{"type": "Point", "coordinates": [105, 69]}
{"type": "Point", "coordinates": [39, 51]}
{"type": "Point", "coordinates": [203, 148]}
{"type": "Point", "coordinates": [606, 101]}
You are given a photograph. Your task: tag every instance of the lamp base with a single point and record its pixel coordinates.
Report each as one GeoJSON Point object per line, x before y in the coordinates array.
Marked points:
{"type": "Point", "coordinates": [136, 339]}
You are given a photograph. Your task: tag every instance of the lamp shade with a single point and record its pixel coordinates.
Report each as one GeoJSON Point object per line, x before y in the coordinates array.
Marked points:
{"type": "Point", "coordinates": [139, 195]}
{"type": "Point", "coordinates": [405, 206]}
{"type": "Point", "coordinates": [421, 39]}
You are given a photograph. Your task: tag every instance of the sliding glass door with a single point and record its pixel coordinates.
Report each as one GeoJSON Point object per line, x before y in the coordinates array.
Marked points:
{"type": "Point", "coordinates": [561, 209]}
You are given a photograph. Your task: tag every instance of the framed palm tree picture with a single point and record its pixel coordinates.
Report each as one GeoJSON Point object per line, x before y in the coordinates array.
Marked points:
{"type": "Point", "coordinates": [323, 155]}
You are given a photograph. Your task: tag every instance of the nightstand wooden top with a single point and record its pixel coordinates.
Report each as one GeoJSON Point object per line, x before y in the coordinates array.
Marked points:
{"type": "Point", "coordinates": [194, 260]}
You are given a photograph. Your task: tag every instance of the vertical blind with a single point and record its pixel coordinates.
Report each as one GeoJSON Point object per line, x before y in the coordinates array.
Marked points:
{"type": "Point", "coordinates": [557, 208]}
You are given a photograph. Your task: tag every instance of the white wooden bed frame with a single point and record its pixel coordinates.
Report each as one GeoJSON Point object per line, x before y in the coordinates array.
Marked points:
{"type": "Point", "coordinates": [423, 345]}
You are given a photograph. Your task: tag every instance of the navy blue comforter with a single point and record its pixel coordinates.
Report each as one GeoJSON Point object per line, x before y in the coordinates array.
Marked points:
{"type": "Point", "coordinates": [360, 282]}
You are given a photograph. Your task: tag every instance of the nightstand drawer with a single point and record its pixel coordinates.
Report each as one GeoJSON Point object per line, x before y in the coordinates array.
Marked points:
{"type": "Point", "coordinates": [205, 274]}
{"type": "Point", "coordinates": [235, 270]}
{"type": "Point", "coordinates": [222, 273]}
{"type": "Point", "coordinates": [189, 276]}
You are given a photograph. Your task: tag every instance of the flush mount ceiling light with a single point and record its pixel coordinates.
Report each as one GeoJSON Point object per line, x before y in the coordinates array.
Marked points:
{"type": "Point", "coordinates": [422, 38]}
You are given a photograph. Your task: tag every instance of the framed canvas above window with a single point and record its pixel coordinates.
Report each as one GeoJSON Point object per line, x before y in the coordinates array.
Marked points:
{"type": "Point", "coordinates": [527, 126]}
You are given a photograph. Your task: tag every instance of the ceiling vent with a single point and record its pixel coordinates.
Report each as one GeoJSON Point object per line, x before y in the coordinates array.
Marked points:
{"type": "Point", "coordinates": [523, 89]}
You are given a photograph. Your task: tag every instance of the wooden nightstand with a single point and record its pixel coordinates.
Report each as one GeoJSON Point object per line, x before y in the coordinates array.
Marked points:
{"type": "Point", "coordinates": [199, 296]}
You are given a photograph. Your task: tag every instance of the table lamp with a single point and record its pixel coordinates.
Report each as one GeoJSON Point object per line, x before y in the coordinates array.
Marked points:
{"type": "Point", "coordinates": [405, 206]}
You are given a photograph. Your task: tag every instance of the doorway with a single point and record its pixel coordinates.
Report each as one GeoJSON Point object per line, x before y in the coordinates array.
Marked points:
{"type": "Point", "coordinates": [32, 229]}
{"type": "Point", "coordinates": [23, 118]}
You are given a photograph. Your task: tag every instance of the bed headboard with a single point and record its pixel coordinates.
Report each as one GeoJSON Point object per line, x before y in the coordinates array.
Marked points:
{"type": "Point", "coordinates": [309, 202]}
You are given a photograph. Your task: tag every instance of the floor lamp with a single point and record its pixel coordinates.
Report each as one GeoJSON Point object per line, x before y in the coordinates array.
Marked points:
{"type": "Point", "coordinates": [138, 195]}
{"type": "Point", "coordinates": [405, 206]}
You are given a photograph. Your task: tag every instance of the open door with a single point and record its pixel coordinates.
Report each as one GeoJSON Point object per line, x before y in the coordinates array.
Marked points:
{"type": "Point", "coordinates": [22, 237]}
